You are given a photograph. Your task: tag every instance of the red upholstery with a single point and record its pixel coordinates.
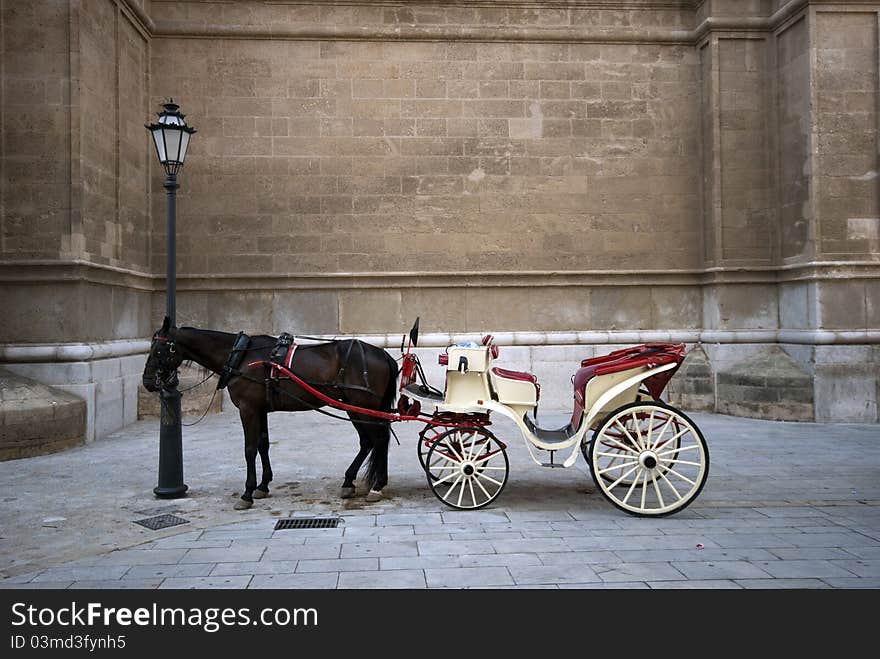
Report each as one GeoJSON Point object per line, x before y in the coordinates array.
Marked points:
{"type": "Point", "coordinates": [515, 375]}
{"type": "Point", "coordinates": [651, 354]}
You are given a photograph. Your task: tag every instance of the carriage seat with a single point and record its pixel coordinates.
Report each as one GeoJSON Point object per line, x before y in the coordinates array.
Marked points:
{"type": "Point", "coordinates": [515, 375]}
{"type": "Point", "coordinates": [515, 387]}
{"type": "Point", "coordinates": [650, 355]}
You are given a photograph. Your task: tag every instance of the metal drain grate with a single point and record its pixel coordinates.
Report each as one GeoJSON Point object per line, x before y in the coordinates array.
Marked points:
{"type": "Point", "coordinates": [161, 521]}
{"type": "Point", "coordinates": [307, 523]}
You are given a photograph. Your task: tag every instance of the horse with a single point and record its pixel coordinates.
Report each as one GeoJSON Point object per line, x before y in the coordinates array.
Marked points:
{"type": "Point", "coordinates": [351, 371]}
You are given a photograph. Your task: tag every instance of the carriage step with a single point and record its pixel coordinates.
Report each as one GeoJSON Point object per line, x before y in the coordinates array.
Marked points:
{"type": "Point", "coordinates": [553, 465]}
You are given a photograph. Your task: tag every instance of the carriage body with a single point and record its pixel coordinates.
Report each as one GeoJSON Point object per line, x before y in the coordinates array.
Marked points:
{"type": "Point", "coordinates": [632, 440]}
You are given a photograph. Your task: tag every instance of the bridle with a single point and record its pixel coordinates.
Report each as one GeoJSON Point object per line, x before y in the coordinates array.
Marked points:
{"type": "Point", "coordinates": [162, 357]}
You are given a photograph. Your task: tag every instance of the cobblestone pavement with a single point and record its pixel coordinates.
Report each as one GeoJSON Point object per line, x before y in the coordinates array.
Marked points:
{"type": "Point", "coordinates": [786, 505]}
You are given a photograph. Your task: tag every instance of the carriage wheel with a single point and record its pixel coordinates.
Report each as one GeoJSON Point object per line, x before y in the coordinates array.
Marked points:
{"type": "Point", "coordinates": [427, 436]}
{"type": "Point", "coordinates": [620, 441]}
{"type": "Point", "coordinates": [662, 469]}
{"type": "Point", "coordinates": [467, 467]}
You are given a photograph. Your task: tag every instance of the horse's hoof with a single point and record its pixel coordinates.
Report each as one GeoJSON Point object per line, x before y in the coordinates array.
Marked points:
{"type": "Point", "coordinates": [241, 504]}
{"type": "Point", "coordinates": [373, 496]}
{"type": "Point", "coordinates": [346, 492]}
{"type": "Point", "coordinates": [260, 494]}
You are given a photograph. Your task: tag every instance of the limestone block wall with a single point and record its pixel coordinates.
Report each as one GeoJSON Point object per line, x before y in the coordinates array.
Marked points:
{"type": "Point", "coordinates": [612, 171]}
{"type": "Point", "coordinates": [74, 189]}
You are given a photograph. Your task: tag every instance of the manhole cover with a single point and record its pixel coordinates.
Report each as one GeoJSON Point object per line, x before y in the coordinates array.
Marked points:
{"type": "Point", "coordinates": [161, 521]}
{"type": "Point", "coordinates": [158, 510]}
{"type": "Point", "coordinates": [307, 523]}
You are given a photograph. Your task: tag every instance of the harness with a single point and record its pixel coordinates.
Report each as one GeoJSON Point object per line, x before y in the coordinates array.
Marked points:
{"type": "Point", "coordinates": [233, 360]}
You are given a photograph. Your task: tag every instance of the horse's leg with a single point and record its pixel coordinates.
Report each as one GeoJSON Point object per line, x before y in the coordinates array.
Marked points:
{"type": "Point", "coordinates": [262, 490]}
{"type": "Point", "coordinates": [351, 473]}
{"type": "Point", "coordinates": [252, 424]}
{"type": "Point", "coordinates": [377, 473]}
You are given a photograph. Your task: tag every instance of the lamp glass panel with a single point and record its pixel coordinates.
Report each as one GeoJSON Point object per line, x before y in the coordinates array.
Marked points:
{"type": "Point", "coordinates": [159, 141]}
{"type": "Point", "coordinates": [184, 143]}
{"type": "Point", "coordinates": [172, 144]}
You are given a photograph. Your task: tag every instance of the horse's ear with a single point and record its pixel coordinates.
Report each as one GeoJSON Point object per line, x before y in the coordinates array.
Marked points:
{"type": "Point", "coordinates": [166, 325]}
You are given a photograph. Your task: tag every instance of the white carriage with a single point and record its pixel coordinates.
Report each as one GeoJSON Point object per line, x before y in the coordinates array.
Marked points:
{"type": "Point", "coordinates": [646, 457]}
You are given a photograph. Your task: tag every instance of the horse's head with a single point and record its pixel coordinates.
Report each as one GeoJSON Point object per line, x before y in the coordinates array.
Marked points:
{"type": "Point", "coordinates": [163, 361]}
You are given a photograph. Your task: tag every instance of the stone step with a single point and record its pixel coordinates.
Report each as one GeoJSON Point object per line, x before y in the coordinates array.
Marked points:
{"type": "Point", "coordinates": [36, 419]}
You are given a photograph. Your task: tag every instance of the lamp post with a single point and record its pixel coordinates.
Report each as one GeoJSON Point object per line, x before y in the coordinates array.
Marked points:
{"type": "Point", "coordinates": [171, 139]}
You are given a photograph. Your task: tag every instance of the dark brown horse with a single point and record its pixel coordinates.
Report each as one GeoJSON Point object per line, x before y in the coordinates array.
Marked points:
{"type": "Point", "coordinates": [351, 371]}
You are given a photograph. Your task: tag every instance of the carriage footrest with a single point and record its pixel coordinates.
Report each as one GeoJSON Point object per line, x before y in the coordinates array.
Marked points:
{"type": "Point", "coordinates": [553, 465]}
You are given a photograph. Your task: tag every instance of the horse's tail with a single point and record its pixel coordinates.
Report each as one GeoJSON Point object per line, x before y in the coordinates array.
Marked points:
{"type": "Point", "coordinates": [377, 465]}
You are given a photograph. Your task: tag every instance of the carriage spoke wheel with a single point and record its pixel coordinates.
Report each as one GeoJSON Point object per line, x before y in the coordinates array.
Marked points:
{"type": "Point", "coordinates": [620, 440]}
{"type": "Point", "coordinates": [427, 436]}
{"type": "Point", "coordinates": [467, 467]}
{"type": "Point", "coordinates": [658, 466]}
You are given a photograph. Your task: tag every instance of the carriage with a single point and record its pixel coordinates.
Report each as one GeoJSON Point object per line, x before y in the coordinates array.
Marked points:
{"type": "Point", "coordinates": [645, 456]}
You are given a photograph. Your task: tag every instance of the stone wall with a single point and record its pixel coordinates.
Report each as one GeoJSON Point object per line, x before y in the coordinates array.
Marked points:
{"type": "Point", "coordinates": [616, 171]}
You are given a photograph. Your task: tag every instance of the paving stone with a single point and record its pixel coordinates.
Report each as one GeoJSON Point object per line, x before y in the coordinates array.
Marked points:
{"type": "Point", "coordinates": [658, 542]}
{"type": "Point", "coordinates": [852, 582]}
{"type": "Point", "coordinates": [539, 516]}
{"type": "Point", "coordinates": [842, 540]}
{"type": "Point", "coordinates": [694, 554]}
{"type": "Point", "coordinates": [764, 584]}
{"type": "Point", "coordinates": [383, 579]}
{"type": "Point", "coordinates": [21, 578]}
{"type": "Point", "coordinates": [861, 568]}
{"type": "Point", "coordinates": [380, 549]}
{"type": "Point", "coordinates": [470, 517]}
{"type": "Point", "coordinates": [428, 537]}
{"type": "Point", "coordinates": [420, 562]}
{"type": "Point", "coordinates": [603, 585]}
{"type": "Point", "coordinates": [803, 569]}
{"type": "Point", "coordinates": [808, 553]}
{"type": "Point", "coordinates": [188, 583]}
{"type": "Point", "coordinates": [407, 519]}
{"type": "Point", "coordinates": [317, 580]}
{"type": "Point", "coordinates": [125, 584]}
{"type": "Point", "coordinates": [637, 572]}
{"type": "Point", "coordinates": [166, 571]}
{"type": "Point", "coordinates": [455, 547]}
{"type": "Point", "coordinates": [518, 587]}
{"type": "Point", "coordinates": [142, 557]}
{"type": "Point", "coordinates": [370, 531]}
{"type": "Point", "coordinates": [497, 560]}
{"type": "Point", "coordinates": [41, 585]}
{"type": "Point", "coordinates": [868, 553]}
{"type": "Point", "coordinates": [222, 555]}
{"type": "Point", "coordinates": [338, 565]}
{"type": "Point", "coordinates": [695, 584]}
{"type": "Point", "coordinates": [102, 573]}
{"type": "Point", "coordinates": [465, 577]}
{"type": "Point", "coordinates": [552, 574]}
{"type": "Point", "coordinates": [253, 567]}
{"type": "Point", "coordinates": [345, 540]}
{"type": "Point", "coordinates": [741, 540]}
{"type": "Point", "coordinates": [578, 557]}
{"type": "Point", "coordinates": [530, 545]}
{"type": "Point", "coordinates": [349, 521]}
{"type": "Point", "coordinates": [720, 570]}
{"type": "Point", "coordinates": [791, 511]}
{"type": "Point", "coordinates": [487, 535]}
{"type": "Point", "coordinates": [297, 552]}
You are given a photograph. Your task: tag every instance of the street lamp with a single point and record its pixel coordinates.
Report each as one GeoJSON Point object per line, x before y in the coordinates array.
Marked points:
{"type": "Point", "coordinates": [171, 139]}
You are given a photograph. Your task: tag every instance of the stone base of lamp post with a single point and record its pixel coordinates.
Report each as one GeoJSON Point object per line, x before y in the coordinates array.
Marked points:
{"type": "Point", "coordinates": [171, 485]}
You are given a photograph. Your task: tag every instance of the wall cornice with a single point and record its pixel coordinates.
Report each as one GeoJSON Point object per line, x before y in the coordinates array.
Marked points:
{"type": "Point", "coordinates": [157, 27]}
{"type": "Point", "coordinates": [57, 272]}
